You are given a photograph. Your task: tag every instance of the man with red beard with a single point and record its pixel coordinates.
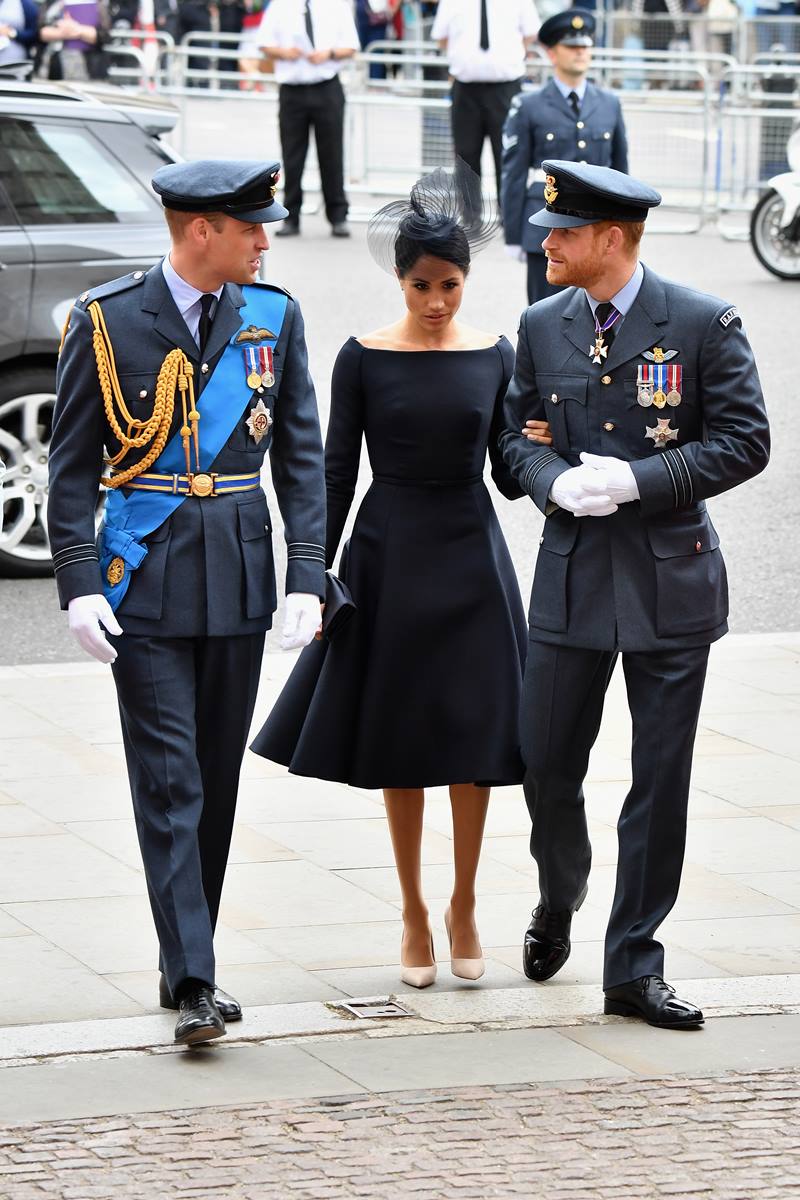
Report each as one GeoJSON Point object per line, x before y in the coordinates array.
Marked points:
{"type": "Point", "coordinates": [654, 405]}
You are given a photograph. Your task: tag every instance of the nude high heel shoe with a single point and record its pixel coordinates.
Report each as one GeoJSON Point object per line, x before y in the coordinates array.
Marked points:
{"type": "Point", "coordinates": [463, 968]}
{"type": "Point", "coordinates": [418, 977]}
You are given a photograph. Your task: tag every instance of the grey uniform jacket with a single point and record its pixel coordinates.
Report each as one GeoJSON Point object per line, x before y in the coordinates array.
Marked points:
{"type": "Point", "coordinates": [542, 125]}
{"type": "Point", "coordinates": [651, 575]}
{"type": "Point", "coordinates": [209, 568]}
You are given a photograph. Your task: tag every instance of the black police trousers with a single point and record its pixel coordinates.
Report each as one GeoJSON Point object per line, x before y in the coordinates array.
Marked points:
{"type": "Point", "coordinates": [321, 105]}
{"type": "Point", "coordinates": [562, 705]}
{"type": "Point", "coordinates": [479, 110]}
{"type": "Point", "coordinates": [186, 706]}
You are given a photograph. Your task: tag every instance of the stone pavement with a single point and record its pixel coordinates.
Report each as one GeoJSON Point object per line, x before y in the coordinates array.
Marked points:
{"type": "Point", "coordinates": [735, 1137]}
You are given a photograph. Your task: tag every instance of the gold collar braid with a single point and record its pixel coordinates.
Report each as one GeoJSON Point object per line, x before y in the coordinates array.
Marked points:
{"type": "Point", "coordinates": [176, 373]}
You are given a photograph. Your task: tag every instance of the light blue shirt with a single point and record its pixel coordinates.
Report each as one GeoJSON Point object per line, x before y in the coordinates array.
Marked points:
{"type": "Point", "coordinates": [623, 301]}
{"type": "Point", "coordinates": [187, 298]}
{"type": "Point", "coordinates": [565, 89]}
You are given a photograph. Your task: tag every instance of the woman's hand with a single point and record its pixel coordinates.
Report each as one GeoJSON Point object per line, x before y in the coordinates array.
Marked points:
{"type": "Point", "coordinates": [539, 432]}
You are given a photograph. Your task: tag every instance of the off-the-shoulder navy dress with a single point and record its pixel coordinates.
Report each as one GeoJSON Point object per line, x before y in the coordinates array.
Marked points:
{"type": "Point", "coordinates": [422, 686]}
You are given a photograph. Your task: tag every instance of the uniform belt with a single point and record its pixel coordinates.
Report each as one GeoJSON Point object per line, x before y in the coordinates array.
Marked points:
{"type": "Point", "coordinates": [202, 485]}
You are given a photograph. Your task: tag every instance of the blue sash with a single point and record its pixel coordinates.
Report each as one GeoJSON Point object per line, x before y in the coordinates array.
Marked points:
{"type": "Point", "coordinates": [129, 520]}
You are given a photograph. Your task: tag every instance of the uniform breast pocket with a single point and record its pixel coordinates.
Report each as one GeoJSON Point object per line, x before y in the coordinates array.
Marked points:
{"type": "Point", "coordinates": [564, 399]}
{"type": "Point", "coordinates": [691, 582]}
{"type": "Point", "coordinates": [139, 393]}
{"type": "Point", "coordinates": [255, 538]}
{"type": "Point", "coordinates": [599, 142]}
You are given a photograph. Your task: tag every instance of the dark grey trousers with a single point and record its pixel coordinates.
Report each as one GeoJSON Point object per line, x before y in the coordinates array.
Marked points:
{"type": "Point", "coordinates": [562, 704]}
{"type": "Point", "coordinates": [186, 706]}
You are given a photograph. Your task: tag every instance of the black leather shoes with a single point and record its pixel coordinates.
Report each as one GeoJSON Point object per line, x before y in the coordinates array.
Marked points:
{"type": "Point", "coordinates": [654, 1001]}
{"type": "Point", "coordinates": [288, 229]}
{"type": "Point", "coordinates": [340, 229]}
{"type": "Point", "coordinates": [199, 1019]}
{"type": "Point", "coordinates": [547, 945]}
{"type": "Point", "coordinates": [229, 1009]}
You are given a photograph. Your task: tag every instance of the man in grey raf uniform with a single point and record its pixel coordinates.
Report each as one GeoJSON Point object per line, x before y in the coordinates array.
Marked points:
{"type": "Point", "coordinates": [654, 405]}
{"type": "Point", "coordinates": [184, 378]}
{"type": "Point", "coordinates": [568, 118]}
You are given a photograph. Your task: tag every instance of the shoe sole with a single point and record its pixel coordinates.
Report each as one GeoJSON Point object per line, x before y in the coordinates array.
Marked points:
{"type": "Point", "coordinates": [205, 1033]}
{"type": "Point", "coordinates": [615, 1008]}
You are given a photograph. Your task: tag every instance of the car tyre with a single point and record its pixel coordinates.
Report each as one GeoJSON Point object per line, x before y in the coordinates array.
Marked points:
{"type": "Point", "coordinates": [27, 399]}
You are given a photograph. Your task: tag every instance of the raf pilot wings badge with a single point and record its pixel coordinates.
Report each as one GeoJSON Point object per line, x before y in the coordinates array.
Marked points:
{"type": "Point", "coordinates": [253, 334]}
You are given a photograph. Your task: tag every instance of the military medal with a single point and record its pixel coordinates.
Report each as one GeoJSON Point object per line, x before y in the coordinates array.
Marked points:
{"type": "Point", "coordinates": [661, 432]}
{"type": "Point", "coordinates": [644, 386]}
{"type": "Point", "coordinates": [116, 571]}
{"type": "Point", "coordinates": [660, 380]}
{"type": "Point", "coordinates": [267, 372]}
{"type": "Point", "coordinates": [599, 350]}
{"type": "Point", "coordinates": [675, 379]}
{"type": "Point", "coordinates": [251, 365]}
{"type": "Point", "coordinates": [259, 421]}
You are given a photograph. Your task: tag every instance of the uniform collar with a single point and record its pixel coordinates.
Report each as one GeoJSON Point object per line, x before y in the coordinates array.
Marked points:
{"type": "Point", "coordinates": [626, 295]}
{"type": "Point", "coordinates": [184, 294]}
{"type": "Point", "coordinates": [565, 89]}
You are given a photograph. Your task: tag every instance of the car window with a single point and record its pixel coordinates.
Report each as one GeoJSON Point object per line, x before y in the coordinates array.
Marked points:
{"type": "Point", "coordinates": [57, 173]}
{"type": "Point", "coordinates": [6, 215]}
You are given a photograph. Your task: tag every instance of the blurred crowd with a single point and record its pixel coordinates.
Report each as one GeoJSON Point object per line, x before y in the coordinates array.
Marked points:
{"type": "Point", "coordinates": [68, 39]}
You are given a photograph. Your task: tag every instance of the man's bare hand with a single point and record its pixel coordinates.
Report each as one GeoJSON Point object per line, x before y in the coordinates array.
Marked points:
{"type": "Point", "coordinates": [538, 431]}
{"type": "Point", "coordinates": [318, 56]}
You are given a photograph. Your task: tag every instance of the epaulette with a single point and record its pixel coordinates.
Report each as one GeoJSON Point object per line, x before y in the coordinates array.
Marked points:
{"type": "Point", "coordinates": [112, 288]}
{"type": "Point", "coordinates": [273, 287]}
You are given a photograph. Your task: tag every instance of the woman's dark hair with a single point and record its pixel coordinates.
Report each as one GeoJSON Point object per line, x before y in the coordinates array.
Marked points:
{"type": "Point", "coordinates": [450, 245]}
{"type": "Point", "coordinates": [446, 216]}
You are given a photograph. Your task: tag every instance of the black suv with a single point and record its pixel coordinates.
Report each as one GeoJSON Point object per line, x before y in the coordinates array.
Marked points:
{"type": "Point", "coordinates": [76, 209]}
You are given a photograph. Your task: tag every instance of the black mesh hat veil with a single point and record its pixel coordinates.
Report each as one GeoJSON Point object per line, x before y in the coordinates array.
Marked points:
{"type": "Point", "coordinates": [439, 202]}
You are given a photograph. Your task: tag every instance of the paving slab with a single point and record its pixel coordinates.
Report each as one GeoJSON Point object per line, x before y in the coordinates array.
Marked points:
{"type": "Point", "coordinates": [147, 1083]}
{"type": "Point", "coordinates": [741, 1043]}
{"type": "Point", "coordinates": [457, 1060]}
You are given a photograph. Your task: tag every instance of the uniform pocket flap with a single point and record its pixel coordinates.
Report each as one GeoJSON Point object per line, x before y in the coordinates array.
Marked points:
{"type": "Point", "coordinates": [560, 533]}
{"type": "Point", "coordinates": [682, 538]}
{"type": "Point", "coordinates": [556, 388]}
{"type": "Point", "coordinates": [253, 521]}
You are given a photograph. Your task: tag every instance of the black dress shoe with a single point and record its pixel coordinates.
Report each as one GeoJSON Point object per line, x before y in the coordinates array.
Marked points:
{"type": "Point", "coordinates": [199, 1019]}
{"type": "Point", "coordinates": [654, 1001]}
{"type": "Point", "coordinates": [340, 229]}
{"type": "Point", "coordinates": [229, 1009]}
{"type": "Point", "coordinates": [288, 229]}
{"type": "Point", "coordinates": [547, 945]}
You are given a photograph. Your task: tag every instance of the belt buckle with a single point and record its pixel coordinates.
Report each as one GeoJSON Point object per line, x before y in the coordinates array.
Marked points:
{"type": "Point", "coordinates": [203, 485]}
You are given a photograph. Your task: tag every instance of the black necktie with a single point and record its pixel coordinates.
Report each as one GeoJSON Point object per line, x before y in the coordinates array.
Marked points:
{"type": "Point", "coordinates": [603, 313]}
{"type": "Point", "coordinates": [309, 23]}
{"type": "Point", "coordinates": [484, 26]}
{"type": "Point", "coordinates": [204, 328]}
{"type": "Point", "coordinates": [575, 102]}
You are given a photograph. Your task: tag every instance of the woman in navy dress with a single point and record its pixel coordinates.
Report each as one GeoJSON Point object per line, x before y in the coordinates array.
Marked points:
{"type": "Point", "coordinates": [421, 688]}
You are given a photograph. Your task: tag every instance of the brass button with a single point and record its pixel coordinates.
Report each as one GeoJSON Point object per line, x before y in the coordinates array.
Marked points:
{"type": "Point", "coordinates": [698, 546]}
{"type": "Point", "coordinates": [549, 137]}
{"type": "Point", "coordinates": [143, 394]}
{"type": "Point", "coordinates": [580, 125]}
{"type": "Point", "coordinates": [204, 368]}
{"type": "Point", "coordinates": [554, 398]}
{"type": "Point", "coordinates": [541, 540]}
{"type": "Point", "coordinates": [608, 426]}
{"type": "Point", "coordinates": [583, 162]}
{"type": "Point", "coordinates": [606, 379]}
{"type": "Point", "coordinates": [83, 296]}
{"type": "Point", "coordinates": [138, 274]}
{"type": "Point", "coordinates": [607, 135]}
{"type": "Point", "coordinates": [581, 145]}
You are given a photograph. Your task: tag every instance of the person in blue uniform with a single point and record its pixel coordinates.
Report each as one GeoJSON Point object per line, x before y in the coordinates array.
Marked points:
{"type": "Point", "coordinates": [398, 699]}
{"type": "Point", "coordinates": [567, 118]}
{"type": "Point", "coordinates": [654, 405]}
{"type": "Point", "coordinates": [184, 378]}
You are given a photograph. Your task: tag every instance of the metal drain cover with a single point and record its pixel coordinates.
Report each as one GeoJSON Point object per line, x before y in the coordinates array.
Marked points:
{"type": "Point", "coordinates": [374, 1006]}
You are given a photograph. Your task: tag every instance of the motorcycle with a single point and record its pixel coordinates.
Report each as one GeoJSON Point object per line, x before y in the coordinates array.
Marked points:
{"type": "Point", "coordinates": [775, 220]}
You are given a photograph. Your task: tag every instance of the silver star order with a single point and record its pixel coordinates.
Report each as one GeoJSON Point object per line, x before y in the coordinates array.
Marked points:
{"type": "Point", "coordinates": [661, 432]}
{"type": "Point", "coordinates": [259, 421]}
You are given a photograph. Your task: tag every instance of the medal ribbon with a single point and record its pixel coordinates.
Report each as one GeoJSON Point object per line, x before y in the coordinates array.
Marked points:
{"type": "Point", "coordinates": [675, 376]}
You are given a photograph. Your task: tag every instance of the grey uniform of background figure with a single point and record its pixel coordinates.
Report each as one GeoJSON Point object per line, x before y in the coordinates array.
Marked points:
{"type": "Point", "coordinates": [648, 581]}
{"type": "Point", "coordinates": [542, 125]}
{"type": "Point", "coordinates": [196, 611]}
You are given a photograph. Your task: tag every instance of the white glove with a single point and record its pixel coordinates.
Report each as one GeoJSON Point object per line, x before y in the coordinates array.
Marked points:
{"type": "Point", "coordinates": [303, 620]}
{"type": "Point", "coordinates": [517, 253]}
{"type": "Point", "coordinates": [86, 615]}
{"type": "Point", "coordinates": [582, 491]}
{"type": "Point", "coordinates": [620, 481]}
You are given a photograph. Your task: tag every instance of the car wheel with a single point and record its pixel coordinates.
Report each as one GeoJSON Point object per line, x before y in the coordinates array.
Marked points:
{"type": "Point", "coordinates": [27, 399]}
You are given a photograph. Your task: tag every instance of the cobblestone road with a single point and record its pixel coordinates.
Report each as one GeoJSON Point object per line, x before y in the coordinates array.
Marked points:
{"type": "Point", "coordinates": [730, 1137]}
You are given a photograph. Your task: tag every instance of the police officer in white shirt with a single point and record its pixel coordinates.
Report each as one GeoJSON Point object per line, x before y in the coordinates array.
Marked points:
{"type": "Point", "coordinates": [309, 40]}
{"type": "Point", "coordinates": [485, 41]}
